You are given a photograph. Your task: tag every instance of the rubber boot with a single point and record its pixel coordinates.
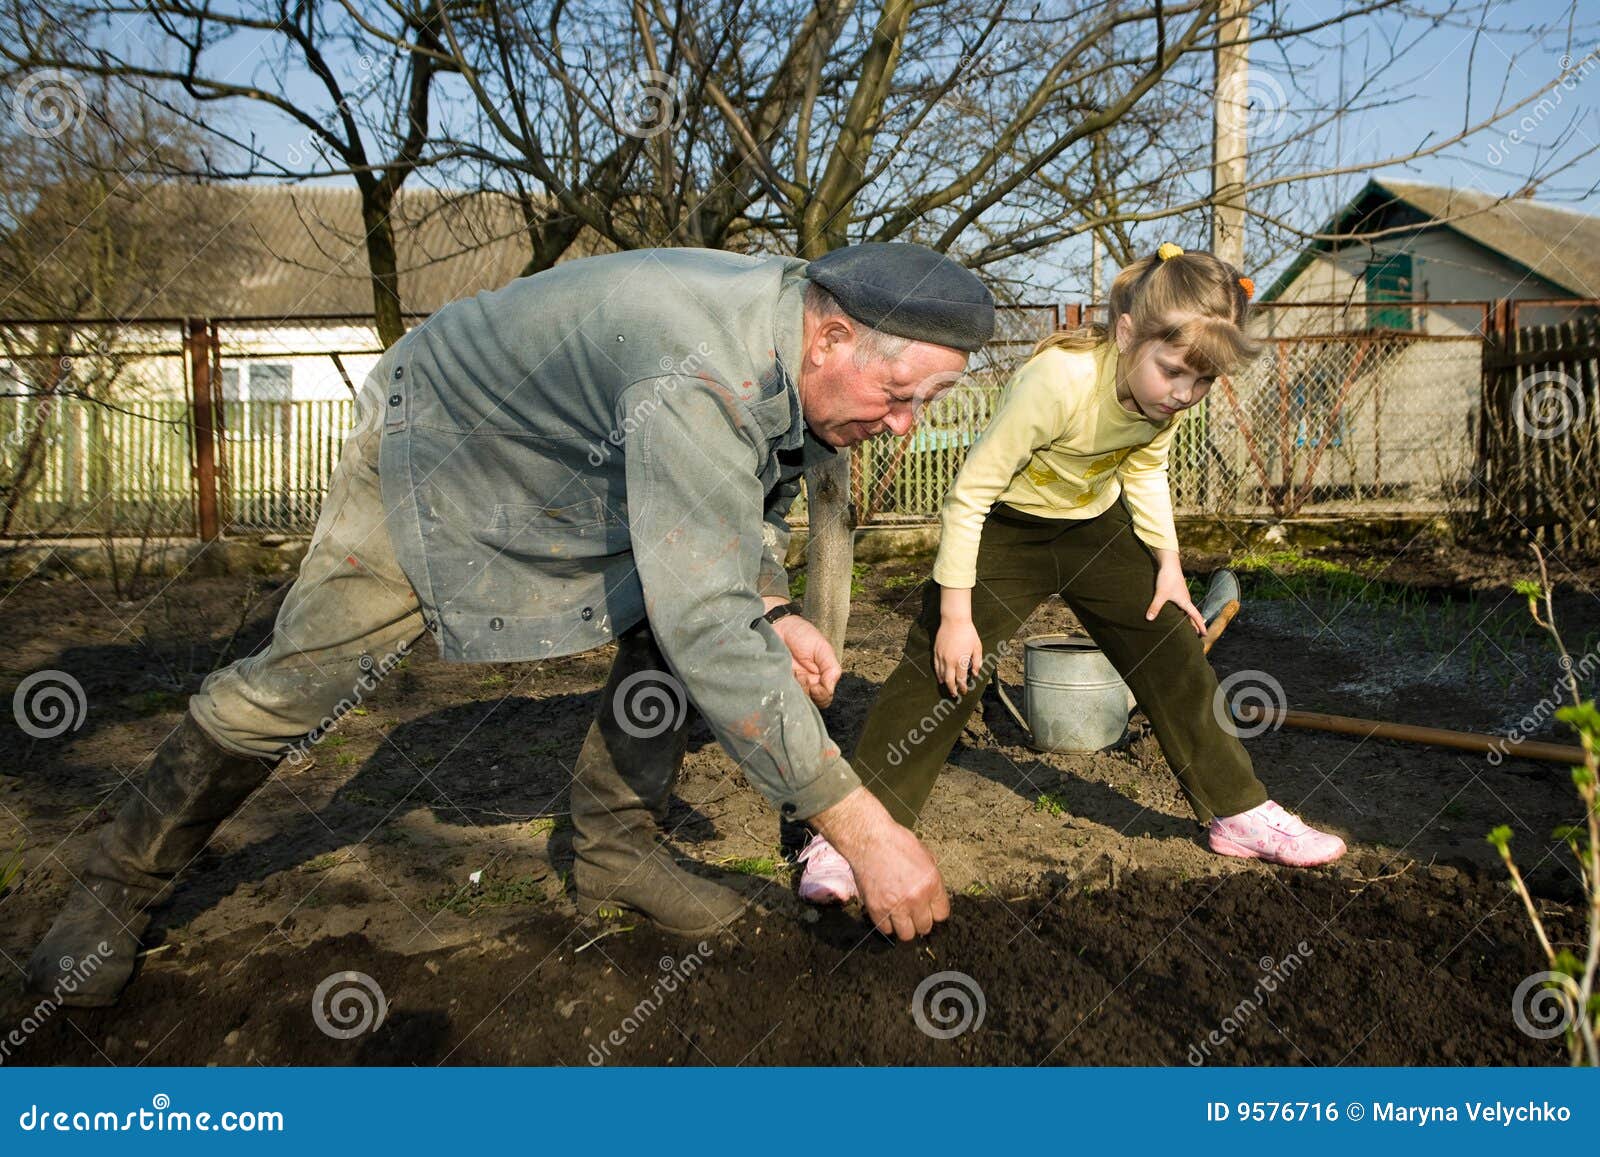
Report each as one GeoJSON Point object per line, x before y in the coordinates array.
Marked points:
{"type": "Point", "coordinates": [624, 782]}
{"type": "Point", "coordinates": [192, 785]}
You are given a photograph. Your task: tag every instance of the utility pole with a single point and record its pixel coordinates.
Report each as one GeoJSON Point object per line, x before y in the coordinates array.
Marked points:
{"type": "Point", "coordinates": [1230, 134]}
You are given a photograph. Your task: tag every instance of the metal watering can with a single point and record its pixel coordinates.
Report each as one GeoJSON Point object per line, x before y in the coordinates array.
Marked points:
{"type": "Point", "coordinates": [1074, 700]}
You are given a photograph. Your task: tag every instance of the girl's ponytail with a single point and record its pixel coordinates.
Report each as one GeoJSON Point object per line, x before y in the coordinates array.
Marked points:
{"type": "Point", "coordinates": [1193, 300]}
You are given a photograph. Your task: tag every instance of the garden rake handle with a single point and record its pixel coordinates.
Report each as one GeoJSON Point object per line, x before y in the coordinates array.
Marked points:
{"type": "Point", "coordinates": [1409, 733]}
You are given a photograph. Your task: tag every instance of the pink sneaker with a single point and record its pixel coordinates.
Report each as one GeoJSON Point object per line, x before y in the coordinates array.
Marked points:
{"type": "Point", "coordinates": [827, 878]}
{"type": "Point", "coordinates": [1267, 832]}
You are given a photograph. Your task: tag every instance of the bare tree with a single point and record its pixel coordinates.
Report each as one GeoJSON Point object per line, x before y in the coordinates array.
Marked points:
{"type": "Point", "coordinates": [90, 237]}
{"type": "Point", "coordinates": [375, 74]}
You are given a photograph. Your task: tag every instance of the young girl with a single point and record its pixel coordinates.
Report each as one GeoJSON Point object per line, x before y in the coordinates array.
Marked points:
{"type": "Point", "coordinates": [1066, 493]}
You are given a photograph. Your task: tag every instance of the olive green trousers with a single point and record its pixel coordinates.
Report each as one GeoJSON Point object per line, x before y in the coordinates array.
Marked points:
{"type": "Point", "coordinates": [1106, 574]}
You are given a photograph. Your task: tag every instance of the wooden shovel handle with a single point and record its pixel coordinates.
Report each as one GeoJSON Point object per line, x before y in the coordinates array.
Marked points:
{"type": "Point", "coordinates": [1219, 624]}
{"type": "Point", "coordinates": [1411, 733]}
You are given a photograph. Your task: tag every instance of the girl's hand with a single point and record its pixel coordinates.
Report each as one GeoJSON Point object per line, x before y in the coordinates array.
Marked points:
{"type": "Point", "coordinates": [957, 655]}
{"type": "Point", "coordinates": [1171, 588]}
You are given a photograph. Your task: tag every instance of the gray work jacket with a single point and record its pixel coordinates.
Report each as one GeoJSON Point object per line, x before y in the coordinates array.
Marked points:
{"type": "Point", "coordinates": [616, 438]}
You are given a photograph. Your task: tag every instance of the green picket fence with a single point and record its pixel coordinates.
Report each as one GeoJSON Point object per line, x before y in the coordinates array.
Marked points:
{"type": "Point", "coordinates": [91, 469]}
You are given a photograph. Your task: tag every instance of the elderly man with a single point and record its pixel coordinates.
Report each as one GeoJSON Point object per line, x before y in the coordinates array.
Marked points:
{"type": "Point", "coordinates": [603, 452]}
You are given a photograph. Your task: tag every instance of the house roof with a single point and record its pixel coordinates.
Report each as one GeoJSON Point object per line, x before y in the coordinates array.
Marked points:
{"type": "Point", "coordinates": [1560, 245]}
{"type": "Point", "coordinates": [304, 249]}
{"type": "Point", "coordinates": [253, 250]}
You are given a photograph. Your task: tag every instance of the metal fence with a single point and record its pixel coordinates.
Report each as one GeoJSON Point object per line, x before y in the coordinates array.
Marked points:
{"type": "Point", "coordinates": [98, 423]}
{"type": "Point", "coordinates": [1342, 413]}
{"type": "Point", "coordinates": [1353, 408]}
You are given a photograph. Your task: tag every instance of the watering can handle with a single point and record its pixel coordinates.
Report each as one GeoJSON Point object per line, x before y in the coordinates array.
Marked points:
{"type": "Point", "coordinates": [1218, 607]}
{"type": "Point", "coordinates": [1010, 706]}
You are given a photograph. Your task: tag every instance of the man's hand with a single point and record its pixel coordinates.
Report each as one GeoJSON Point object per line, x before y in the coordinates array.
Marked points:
{"type": "Point", "coordinates": [816, 667]}
{"type": "Point", "coordinates": [900, 884]}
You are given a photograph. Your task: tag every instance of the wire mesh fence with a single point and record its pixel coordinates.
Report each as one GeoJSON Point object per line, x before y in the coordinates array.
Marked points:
{"type": "Point", "coordinates": [1341, 414]}
{"type": "Point", "coordinates": [1354, 407]}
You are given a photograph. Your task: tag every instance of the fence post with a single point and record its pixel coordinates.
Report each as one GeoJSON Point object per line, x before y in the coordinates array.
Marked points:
{"type": "Point", "coordinates": [1074, 318]}
{"type": "Point", "coordinates": [1497, 334]}
{"type": "Point", "coordinates": [197, 345]}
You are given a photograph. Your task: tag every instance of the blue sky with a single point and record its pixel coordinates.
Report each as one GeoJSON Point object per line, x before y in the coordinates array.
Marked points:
{"type": "Point", "coordinates": [1484, 54]}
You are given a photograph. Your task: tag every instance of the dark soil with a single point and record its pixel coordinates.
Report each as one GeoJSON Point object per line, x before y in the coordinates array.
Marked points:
{"type": "Point", "coordinates": [1096, 924]}
{"type": "Point", "coordinates": [1416, 969]}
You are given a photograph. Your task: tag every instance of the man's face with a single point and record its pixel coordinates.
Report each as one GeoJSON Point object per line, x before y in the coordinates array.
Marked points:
{"type": "Point", "coordinates": [845, 403]}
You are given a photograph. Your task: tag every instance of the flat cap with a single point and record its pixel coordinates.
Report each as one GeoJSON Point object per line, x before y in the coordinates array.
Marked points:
{"type": "Point", "coordinates": [910, 291]}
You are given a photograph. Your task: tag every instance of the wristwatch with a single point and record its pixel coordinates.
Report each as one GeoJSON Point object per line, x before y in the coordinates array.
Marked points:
{"type": "Point", "coordinates": [781, 611]}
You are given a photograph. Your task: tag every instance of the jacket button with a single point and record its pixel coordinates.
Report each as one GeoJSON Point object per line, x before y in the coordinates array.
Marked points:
{"type": "Point", "coordinates": [399, 372]}
{"type": "Point", "coordinates": [496, 624]}
{"type": "Point", "coordinates": [394, 399]}
{"type": "Point", "coordinates": [587, 613]}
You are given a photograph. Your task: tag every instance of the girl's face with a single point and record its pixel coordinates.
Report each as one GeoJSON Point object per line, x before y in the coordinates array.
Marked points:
{"type": "Point", "coordinates": [1154, 380]}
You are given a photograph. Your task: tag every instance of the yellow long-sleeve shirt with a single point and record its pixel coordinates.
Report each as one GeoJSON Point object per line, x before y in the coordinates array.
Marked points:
{"type": "Point", "coordinates": [1060, 446]}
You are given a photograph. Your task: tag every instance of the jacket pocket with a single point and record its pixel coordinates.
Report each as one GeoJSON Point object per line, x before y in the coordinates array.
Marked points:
{"type": "Point", "coordinates": [586, 527]}
{"type": "Point", "coordinates": [556, 534]}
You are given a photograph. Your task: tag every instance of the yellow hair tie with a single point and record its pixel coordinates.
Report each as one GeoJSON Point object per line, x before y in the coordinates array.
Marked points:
{"type": "Point", "coordinates": [1168, 250]}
